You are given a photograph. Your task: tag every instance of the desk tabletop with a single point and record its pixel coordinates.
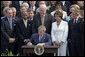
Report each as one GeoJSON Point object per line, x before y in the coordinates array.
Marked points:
{"type": "Point", "coordinates": [25, 46]}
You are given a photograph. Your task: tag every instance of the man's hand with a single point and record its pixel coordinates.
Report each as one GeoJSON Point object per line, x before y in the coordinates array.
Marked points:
{"type": "Point", "coordinates": [26, 40]}
{"type": "Point", "coordinates": [29, 44]}
{"type": "Point", "coordinates": [11, 40]}
{"type": "Point", "coordinates": [41, 44]}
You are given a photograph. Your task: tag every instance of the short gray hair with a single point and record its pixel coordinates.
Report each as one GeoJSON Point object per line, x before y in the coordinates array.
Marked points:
{"type": "Point", "coordinates": [25, 3]}
{"type": "Point", "coordinates": [42, 6]}
{"type": "Point", "coordinates": [13, 8]}
{"type": "Point", "coordinates": [42, 27]}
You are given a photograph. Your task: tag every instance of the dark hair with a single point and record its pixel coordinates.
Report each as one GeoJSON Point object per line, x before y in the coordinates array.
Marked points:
{"type": "Point", "coordinates": [59, 3]}
{"type": "Point", "coordinates": [59, 13]}
{"type": "Point", "coordinates": [29, 10]}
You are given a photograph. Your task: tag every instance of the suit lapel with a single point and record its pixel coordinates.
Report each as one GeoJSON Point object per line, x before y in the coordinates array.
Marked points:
{"type": "Point", "coordinates": [39, 20]}
{"type": "Point", "coordinates": [22, 24]}
{"type": "Point", "coordinates": [37, 38]}
{"type": "Point", "coordinates": [44, 37]}
{"type": "Point", "coordinates": [7, 23]}
{"type": "Point", "coordinates": [45, 20]}
{"type": "Point", "coordinates": [13, 23]}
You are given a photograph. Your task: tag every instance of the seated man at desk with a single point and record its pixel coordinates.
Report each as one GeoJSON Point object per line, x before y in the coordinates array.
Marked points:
{"type": "Point", "coordinates": [41, 38]}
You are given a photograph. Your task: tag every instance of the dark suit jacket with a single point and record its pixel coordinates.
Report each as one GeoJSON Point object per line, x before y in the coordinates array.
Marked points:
{"type": "Point", "coordinates": [46, 39]}
{"type": "Point", "coordinates": [52, 8]}
{"type": "Point", "coordinates": [22, 32]}
{"type": "Point", "coordinates": [74, 31]}
{"type": "Point", "coordinates": [82, 37]}
{"type": "Point", "coordinates": [7, 32]}
{"type": "Point", "coordinates": [35, 9]}
{"type": "Point", "coordinates": [47, 23]}
{"type": "Point", "coordinates": [74, 36]}
{"type": "Point", "coordinates": [66, 7]}
{"type": "Point", "coordinates": [18, 14]}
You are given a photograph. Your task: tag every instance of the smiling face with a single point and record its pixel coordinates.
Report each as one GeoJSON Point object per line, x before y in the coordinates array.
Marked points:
{"type": "Point", "coordinates": [75, 15]}
{"type": "Point", "coordinates": [9, 13]}
{"type": "Point", "coordinates": [80, 3]}
{"type": "Point", "coordinates": [58, 18]}
{"type": "Point", "coordinates": [42, 11]}
{"type": "Point", "coordinates": [14, 12]}
{"type": "Point", "coordinates": [23, 9]}
{"type": "Point", "coordinates": [31, 14]}
{"type": "Point", "coordinates": [6, 3]}
{"type": "Point", "coordinates": [41, 32]}
{"type": "Point", "coordinates": [58, 15]}
{"type": "Point", "coordinates": [25, 15]}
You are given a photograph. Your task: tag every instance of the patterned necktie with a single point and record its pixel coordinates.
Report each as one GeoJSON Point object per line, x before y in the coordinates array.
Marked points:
{"type": "Point", "coordinates": [42, 20]}
{"type": "Point", "coordinates": [25, 23]}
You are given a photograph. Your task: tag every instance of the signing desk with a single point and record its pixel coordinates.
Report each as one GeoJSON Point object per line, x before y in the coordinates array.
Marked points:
{"type": "Point", "coordinates": [47, 49]}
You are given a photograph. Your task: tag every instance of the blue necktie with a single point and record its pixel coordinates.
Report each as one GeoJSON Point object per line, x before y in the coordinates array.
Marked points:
{"type": "Point", "coordinates": [40, 39]}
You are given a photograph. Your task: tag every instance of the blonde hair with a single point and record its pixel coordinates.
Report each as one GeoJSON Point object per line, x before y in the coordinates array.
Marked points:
{"type": "Point", "coordinates": [74, 6]}
{"type": "Point", "coordinates": [5, 10]}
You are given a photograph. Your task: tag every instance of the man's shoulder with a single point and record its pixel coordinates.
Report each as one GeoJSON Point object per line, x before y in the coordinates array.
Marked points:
{"type": "Point", "coordinates": [4, 19]}
{"type": "Point", "coordinates": [35, 34]}
{"type": "Point", "coordinates": [47, 34]}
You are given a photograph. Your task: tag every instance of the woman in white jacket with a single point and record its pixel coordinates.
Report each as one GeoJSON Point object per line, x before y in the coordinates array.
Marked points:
{"type": "Point", "coordinates": [59, 33]}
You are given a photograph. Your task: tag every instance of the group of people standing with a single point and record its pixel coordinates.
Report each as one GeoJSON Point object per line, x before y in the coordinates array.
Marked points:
{"type": "Point", "coordinates": [40, 26]}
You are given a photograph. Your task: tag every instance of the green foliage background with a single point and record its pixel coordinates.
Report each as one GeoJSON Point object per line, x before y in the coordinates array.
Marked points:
{"type": "Point", "coordinates": [1, 3]}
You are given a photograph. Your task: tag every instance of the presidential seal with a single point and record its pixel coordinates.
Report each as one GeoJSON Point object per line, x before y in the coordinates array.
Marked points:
{"type": "Point", "coordinates": [39, 50]}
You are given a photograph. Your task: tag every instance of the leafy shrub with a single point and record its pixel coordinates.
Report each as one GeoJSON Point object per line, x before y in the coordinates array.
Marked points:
{"type": "Point", "coordinates": [9, 54]}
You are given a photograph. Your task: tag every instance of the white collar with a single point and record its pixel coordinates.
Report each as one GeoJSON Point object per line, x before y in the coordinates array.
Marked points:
{"type": "Point", "coordinates": [63, 3]}
{"type": "Point", "coordinates": [24, 20]}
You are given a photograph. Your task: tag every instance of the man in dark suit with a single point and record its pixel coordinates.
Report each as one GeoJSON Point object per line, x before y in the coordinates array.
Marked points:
{"type": "Point", "coordinates": [42, 19]}
{"type": "Point", "coordinates": [74, 36]}
{"type": "Point", "coordinates": [66, 5]}
{"type": "Point", "coordinates": [33, 6]}
{"type": "Point", "coordinates": [14, 14]}
{"type": "Point", "coordinates": [31, 16]}
{"type": "Point", "coordinates": [22, 9]}
{"type": "Point", "coordinates": [40, 38]}
{"type": "Point", "coordinates": [7, 30]}
{"type": "Point", "coordinates": [23, 31]}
